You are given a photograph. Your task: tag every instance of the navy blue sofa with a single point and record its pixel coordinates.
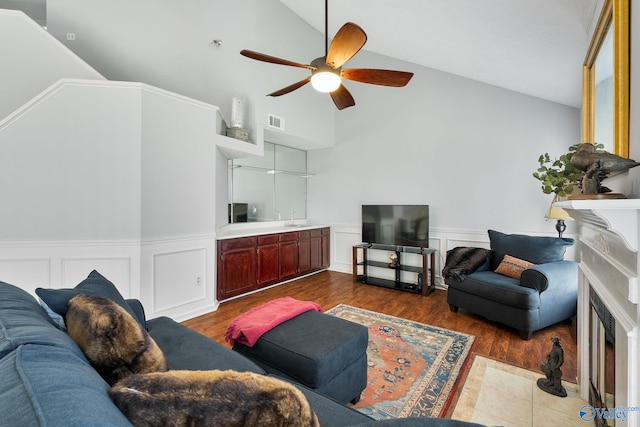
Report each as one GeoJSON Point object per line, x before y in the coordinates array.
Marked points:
{"type": "Point", "coordinates": [45, 379]}
{"type": "Point", "coordinates": [545, 294]}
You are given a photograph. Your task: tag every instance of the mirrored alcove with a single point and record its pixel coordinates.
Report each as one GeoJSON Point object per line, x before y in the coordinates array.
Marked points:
{"type": "Point", "coordinates": [269, 188]}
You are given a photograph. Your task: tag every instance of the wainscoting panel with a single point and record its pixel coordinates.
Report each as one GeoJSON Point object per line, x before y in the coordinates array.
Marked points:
{"type": "Point", "coordinates": [27, 274]}
{"type": "Point", "coordinates": [64, 264]}
{"type": "Point", "coordinates": [343, 238]}
{"type": "Point", "coordinates": [117, 270]}
{"type": "Point", "coordinates": [179, 278]}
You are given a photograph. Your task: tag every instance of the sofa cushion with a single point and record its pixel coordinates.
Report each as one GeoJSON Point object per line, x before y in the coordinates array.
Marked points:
{"type": "Point", "coordinates": [24, 321]}
{"type": "Point", "coordinates": [94, 284]}
{"type": "Point", "coordinates": [535, 249]}
{"type": "Point", "coordinates": [498, 288]}
{"type": "Point", "coordinates": [45, 385]}
{"type": "Point", "coordinates": [113, 341]}
{"type": "Point", "coordinates": [185, 348]}
{"type": "Point", "coordinates": [330, 412]}
{"type": "Point", "coordinates": [512, 266]}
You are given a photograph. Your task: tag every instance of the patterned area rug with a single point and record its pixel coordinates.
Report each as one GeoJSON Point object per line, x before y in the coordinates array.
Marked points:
{"type": "Point", "coordinates": [413, 368]}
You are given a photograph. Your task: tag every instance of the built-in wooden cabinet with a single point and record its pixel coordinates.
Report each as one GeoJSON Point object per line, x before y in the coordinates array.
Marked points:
{"type": "Point", "coordinates": [304, 252]}
{"type": "Point", "coordinates": [315, 249]}
{"type": "Point", "coordinates": [268, 256]}
{"type": "Point", "coordinates": [236, 266]}
{"type": "Point", "coordinates": [288, 255]}
{"type": "Point", "coordinates": [246, 264]}
{"type": "Point", "coordinates": [326, 248]}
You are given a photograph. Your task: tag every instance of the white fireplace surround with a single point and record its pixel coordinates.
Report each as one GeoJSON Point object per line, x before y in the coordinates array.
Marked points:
{"type": "Point", "coordinates": [607, 252]}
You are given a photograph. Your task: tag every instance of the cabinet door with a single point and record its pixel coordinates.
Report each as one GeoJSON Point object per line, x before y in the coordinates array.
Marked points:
{"type": "Point", "coordinates": [268, 260]}
{"type": "Point", "coordinates": [236, 272]}
{"type": "Point", "coordinates": [315, 250]}
{"type": "Point", "coordinates": [288, 259]}
{"type": "Point", "coordinates": [326, 248]}
{"type": "Point", "coordinates": [304, 253]}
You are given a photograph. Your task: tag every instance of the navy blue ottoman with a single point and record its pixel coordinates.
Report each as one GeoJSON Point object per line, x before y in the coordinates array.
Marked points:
{"type": "Point", "coordinates": [323, 352]}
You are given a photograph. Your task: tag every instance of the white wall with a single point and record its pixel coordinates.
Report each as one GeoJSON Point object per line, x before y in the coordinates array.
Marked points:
{"type": "Point", "coordinates": [48, 60]}
{"type": "Point", "coordinates": [118, 177]}
{"type": "Point", "coordinates": [167, 44]}
{"type": "Point", "coordinates": [466, 148]}
{"type": "Point", "coordinates": [69, 167]}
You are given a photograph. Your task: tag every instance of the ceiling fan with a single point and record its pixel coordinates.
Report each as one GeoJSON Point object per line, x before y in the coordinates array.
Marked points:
{"type": "Point", "coordinates": [327, 72]}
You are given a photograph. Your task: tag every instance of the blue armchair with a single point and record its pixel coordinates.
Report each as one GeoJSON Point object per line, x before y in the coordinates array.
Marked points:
{"type": "Point", "coordinates": [545, 293]}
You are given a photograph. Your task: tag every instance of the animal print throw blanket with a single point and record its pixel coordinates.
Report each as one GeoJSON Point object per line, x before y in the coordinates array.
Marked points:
{"type": "Point", "coordinates": [464, 260]}
{"type": "Point", "coordinates": [250, 326]}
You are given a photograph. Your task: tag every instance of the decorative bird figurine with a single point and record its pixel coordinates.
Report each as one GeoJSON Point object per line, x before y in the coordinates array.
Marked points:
{"type": "Point", "coordinates": [598, 166]}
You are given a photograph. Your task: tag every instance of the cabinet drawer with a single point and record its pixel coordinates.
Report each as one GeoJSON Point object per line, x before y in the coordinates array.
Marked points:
{"type": "Point", "coordinates": [316, 232]}
{"type": "Point", "coordinates": [304, 235]}
{"type": "Point", "coordinates": [268, 239]}
{"type": "Point", "coordinates": [326, 231]}
{"type": "Point", "coordinates": [242, 242]}
{"type": "Point", "coordinates": [289, 237]}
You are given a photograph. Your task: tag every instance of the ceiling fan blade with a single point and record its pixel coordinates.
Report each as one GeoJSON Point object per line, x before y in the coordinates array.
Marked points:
{"type": "Point", "coordinates": [377, 77]}
{"type": "Point", "coordinates": [346, 43]}
{"type": "Point", "coordinates": [273, 60]}
{"type": "Point", "coordinates": [342, 98]}
{"type": "Point", "coordinates": [291, 88]}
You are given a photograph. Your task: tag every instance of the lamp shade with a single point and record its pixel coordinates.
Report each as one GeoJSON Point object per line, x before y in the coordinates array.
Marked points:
{"type": "Point", "coordinates": [558, 213]}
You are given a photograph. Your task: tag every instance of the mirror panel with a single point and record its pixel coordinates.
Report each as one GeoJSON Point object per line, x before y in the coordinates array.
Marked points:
{"type": "Point", "coordinates": [605, 106]}
{"type": "Point", "coordinates": [603, 94]}
{"type": "Point", "coordinates": [269, 188]}
{"type": "Point", "coordinates": [291, 196]}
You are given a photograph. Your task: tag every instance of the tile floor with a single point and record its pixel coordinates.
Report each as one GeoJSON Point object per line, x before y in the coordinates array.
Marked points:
{"type": "Point", "coordinates": [496, 394]}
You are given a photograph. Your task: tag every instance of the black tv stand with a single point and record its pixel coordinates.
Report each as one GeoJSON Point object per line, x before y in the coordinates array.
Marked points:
{"type": "Point", "coordinates": [408, 277]}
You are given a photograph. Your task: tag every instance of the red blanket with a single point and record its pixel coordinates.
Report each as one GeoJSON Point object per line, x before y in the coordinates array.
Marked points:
{"type": "Point", "coordinates": [250, 326]}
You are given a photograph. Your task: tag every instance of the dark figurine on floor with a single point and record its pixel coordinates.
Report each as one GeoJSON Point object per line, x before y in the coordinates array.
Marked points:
{"type": "Point", "coordinates": [551, 368]}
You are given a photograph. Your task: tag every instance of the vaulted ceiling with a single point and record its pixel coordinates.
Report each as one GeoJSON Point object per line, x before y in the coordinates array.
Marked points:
{"type": "Point", "coordinates": [536, 47]}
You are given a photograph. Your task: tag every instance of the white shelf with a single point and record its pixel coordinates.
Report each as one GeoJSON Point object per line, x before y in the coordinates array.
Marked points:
{"type": "Point", "coordinates": [236, 149]}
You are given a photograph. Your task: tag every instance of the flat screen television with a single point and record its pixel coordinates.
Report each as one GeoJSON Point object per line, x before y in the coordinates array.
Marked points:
{"type": "Point", "coordinates": [399, 225]}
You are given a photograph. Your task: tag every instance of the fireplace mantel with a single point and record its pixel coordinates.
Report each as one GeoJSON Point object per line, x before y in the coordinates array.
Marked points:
{"type": "Point", "coordinates": [609, 264]}
{"type": "Point", "coordinates": [617, 215]}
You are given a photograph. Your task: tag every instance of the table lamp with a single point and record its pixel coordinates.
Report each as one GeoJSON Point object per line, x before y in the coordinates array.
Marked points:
{"type": "Point", "coordinates": [561, 216]}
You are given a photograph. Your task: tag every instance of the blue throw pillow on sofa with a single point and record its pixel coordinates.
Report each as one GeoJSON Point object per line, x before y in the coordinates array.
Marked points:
{"type": "Point", "coordinates": [94, 284]}
{"type": "Point", "coordinates": [535, 249]}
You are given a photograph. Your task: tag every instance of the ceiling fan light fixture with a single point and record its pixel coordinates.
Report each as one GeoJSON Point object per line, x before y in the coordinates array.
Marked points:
{"type": "Point", "coordinates": [325, 81]}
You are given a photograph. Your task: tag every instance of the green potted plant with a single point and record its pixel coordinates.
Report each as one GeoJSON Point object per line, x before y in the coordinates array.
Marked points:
{"type": "Point", "coordinates": [559, 176]}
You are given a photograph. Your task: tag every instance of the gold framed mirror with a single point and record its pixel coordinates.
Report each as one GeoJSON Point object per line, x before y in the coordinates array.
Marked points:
{"type": "Point", "coordinates": [605, 87]}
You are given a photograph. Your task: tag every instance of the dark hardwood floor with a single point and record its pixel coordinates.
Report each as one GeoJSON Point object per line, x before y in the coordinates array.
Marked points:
{"type": "Point", "coordinates": [330, 288]}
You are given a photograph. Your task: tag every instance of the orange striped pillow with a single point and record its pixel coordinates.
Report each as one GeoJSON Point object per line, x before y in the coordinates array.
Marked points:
{"type": "Point", "coordinates": [513, 267]}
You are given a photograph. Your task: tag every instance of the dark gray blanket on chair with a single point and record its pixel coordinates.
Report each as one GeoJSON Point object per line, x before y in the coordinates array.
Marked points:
{"type": "Point", "coordinates": [464, 260]}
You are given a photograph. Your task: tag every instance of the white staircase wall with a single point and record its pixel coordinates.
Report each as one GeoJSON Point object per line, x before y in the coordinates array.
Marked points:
{"type": "Point", "coordinates": [32, 60]}
{"type": "Point", "coordinates": [115, 176]}
{"type": "Point", "coordinates": [118, 177]}
{"type": "Point", "coordinates": [70, 164]}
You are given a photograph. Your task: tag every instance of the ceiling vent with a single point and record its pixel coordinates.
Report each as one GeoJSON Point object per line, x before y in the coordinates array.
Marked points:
{"type": "Point", "coordinates": [275, 122]}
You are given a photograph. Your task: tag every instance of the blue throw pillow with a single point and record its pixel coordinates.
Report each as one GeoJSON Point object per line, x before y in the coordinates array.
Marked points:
{"type": "Point", "coordinates": [535, 249]}
{"type": "Point", "coordinates": [94, 284]}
